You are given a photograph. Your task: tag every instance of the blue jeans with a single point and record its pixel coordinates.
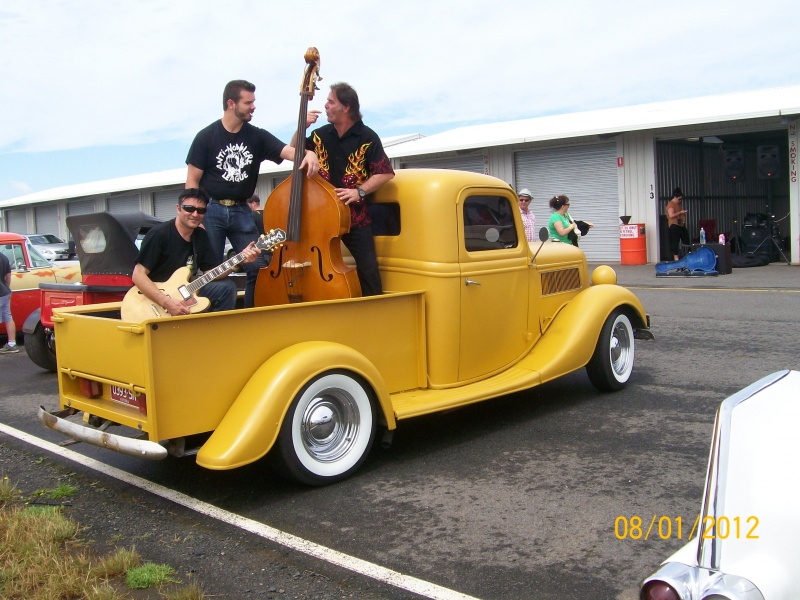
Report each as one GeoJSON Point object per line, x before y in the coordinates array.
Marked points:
{"type": "Point", "coordinates": [222, 294]}
{"type": "Point", "coordinates": [237, 224]}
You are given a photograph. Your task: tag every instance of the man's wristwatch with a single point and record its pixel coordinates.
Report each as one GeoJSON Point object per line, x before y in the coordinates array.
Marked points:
{"type": "Point", "coordinates": [361, 193]}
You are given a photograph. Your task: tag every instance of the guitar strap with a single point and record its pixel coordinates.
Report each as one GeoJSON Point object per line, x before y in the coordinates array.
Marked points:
{"type": "Point", "coordinates": [193, 273]}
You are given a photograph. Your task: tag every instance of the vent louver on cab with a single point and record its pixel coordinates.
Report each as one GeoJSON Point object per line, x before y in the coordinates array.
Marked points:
{"type": "Point", "coordinates": [556, 282]}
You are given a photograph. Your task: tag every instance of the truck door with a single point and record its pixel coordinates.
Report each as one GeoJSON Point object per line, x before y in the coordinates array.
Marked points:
{"type": "Point", "coordinates": [494, 267]}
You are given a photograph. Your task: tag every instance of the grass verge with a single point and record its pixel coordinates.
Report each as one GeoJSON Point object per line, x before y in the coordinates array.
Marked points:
{"type": "Point", "coordinates": [42, 557]}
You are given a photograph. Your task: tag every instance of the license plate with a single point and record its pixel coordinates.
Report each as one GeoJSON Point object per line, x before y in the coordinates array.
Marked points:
{"type": "Point", "coordinates": [126, 396]}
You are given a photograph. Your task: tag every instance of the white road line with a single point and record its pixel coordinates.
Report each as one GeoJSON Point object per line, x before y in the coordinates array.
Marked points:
{"type": "Point", "coordinates": [351, 563]}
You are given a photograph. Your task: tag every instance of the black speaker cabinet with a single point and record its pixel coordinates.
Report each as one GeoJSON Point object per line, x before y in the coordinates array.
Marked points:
{"type": "Point", "coordinates": [768, 163]}
{"type": "Point", "coordinates": [733, 163]}
{"type": "Point", "coordinates": [758, 243]}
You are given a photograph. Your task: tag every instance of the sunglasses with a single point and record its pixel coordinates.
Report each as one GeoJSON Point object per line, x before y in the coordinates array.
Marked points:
{"type": "Point", "coordinates": [190, 209]}
{"type": "Point", "coordinates": [524, 199]}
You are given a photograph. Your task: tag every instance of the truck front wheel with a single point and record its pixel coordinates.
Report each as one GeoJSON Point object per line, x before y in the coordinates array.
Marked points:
{"type": "Point", "coordinates": [612, 363]}
{"type": "Point", "coordinates": [328, 430]}
{"type": "Point", "coordinates": [40, 347]}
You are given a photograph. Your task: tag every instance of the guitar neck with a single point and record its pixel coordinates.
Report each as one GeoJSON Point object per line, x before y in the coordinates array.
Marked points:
{"type": "Point", "coordinates": [211, 275]}
{"type": "Point", "coordinates": [265, 242]}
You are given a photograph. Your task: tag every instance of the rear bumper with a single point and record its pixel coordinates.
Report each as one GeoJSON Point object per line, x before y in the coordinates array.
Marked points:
{"type": "Point", "coordinates": [103, 439]}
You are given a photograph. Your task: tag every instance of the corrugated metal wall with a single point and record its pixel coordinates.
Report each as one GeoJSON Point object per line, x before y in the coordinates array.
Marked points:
{"type": "Point", "coordinates": [708, 194]}
{"type": "Point", "coordinates": [17, 220]}
{"type": "Point", "coordinates": [164, 202]}
{"type": "Point", "coordinates": [588, 175]}
{"type": "Point", "coordinates": [80, 207]}
{"type": "Point", "coordinates": [122, 204]}
{"type": "Point", "coordinates": [46, 219]}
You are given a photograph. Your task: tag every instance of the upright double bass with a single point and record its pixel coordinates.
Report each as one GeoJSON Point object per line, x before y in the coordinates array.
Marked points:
{"type": "Point", "coordinates": [309, 265]}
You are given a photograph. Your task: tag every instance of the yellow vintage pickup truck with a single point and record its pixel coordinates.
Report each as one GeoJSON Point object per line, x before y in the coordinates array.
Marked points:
{"type": "Point", "coordinates": [471, 311]}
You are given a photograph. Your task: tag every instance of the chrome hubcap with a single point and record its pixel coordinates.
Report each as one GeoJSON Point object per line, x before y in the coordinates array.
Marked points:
{"type": "Point", "coordinates": [330, 425]}
{"type": "Point", "coordinates": [620, 349]}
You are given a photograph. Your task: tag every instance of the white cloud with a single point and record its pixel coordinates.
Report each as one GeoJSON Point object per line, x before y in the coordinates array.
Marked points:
{"type": "Point", "coordinates": [89, 72]}
{"type": "Point", "coordinates": [21, 188]}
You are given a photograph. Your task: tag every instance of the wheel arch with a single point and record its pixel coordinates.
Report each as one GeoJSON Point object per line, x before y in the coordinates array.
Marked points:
{"type": "Point", "coordinates": [251, 426]}
{"type": "Point", "coordinates": [31, 321]}
{"type": "Point", "coordinates": [563, 347]}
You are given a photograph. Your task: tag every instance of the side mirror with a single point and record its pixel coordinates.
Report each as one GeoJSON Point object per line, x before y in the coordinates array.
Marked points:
{"type": "Point", "coordinates": [544, 234]}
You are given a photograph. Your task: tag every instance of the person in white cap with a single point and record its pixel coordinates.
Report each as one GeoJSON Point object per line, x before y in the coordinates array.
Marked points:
{"type": "Point", "coordinates": [528, 218]}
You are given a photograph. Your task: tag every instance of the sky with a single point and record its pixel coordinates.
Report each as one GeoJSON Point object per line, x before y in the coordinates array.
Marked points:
{"type": "Point", "coordinates": [92, 89]}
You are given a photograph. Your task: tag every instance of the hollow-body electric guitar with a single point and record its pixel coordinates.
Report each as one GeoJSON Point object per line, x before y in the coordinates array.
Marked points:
{"type": "Point", "coordinates": [136, 307]}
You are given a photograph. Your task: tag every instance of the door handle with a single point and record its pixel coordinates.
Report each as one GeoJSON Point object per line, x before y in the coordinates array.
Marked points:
{"type": "Point", "coordinates": [471, 282]}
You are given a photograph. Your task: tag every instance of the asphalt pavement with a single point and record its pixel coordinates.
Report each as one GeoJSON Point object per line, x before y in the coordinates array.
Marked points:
{"type": "Point", "coordinates": [514, 498]}
{"type": "Point", "coordinates": [775, 276]}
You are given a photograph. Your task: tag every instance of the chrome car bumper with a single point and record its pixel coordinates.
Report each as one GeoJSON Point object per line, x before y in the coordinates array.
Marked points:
{"type": "Point", "coordinates": [103, 439]}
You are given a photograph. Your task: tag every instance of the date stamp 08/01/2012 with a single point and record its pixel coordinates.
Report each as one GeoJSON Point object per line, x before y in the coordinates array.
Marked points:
{"type": "Point", "coordinates": [665, 528]}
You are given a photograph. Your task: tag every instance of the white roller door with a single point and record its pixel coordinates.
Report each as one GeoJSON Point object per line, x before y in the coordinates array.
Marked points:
{"type": "Point", "coordinates": [588, 175]}
{"type": "Point", "coordinates": [164, 203]}
{"type": "Point", "coordinates": [477, 163]}
{"type": "Point", "coordinates": [124, 204]}
{"type": "Point", "coordinates": [17, 221]}
{"type": "Point", "coordinates": [80, 207]}
{"type": "Point", "coordinates": [46, 218]}
{"type": "Point", "coordinates": [276, 181]}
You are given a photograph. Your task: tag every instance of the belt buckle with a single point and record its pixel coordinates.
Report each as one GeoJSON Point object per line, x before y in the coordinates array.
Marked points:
{"type": "Point", "coordinates": [226, 202]}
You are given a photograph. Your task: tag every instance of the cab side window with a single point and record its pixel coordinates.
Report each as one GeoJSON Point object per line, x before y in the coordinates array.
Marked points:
{"type": "Point", "coordinates": [489, 223]}
{"type": "Point", "coordinates": [37, 260]}
{"type": "Point", "coordinates": [385, 218]}
{"type": "Point", "coordinates": [8, 250]}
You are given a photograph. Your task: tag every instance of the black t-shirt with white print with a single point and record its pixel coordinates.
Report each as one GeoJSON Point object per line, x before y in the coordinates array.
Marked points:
{"type": "Point", "coordinates": [230, 161]}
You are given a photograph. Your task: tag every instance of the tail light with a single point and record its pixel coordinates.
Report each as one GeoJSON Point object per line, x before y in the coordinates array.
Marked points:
{"type": "Point", "coordinates": [89, 388]}
{"type": "Point", "coordinates": [658, 590]}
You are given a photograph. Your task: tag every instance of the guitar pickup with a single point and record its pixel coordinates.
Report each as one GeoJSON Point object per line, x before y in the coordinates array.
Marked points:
{"type": "Point", "coordinates": [185, 294]}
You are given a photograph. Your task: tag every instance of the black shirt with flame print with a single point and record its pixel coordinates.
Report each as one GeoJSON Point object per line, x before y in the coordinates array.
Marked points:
{"type": "Point", "coordinates": [349, 161]}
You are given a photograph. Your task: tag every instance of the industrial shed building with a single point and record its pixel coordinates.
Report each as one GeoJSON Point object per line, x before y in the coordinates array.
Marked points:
{"type": "Point", "coordinates": [734, 155]}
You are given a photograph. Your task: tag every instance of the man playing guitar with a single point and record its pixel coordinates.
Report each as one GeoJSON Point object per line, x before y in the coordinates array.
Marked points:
{"type": "Point", "coordinates": [181, 242]}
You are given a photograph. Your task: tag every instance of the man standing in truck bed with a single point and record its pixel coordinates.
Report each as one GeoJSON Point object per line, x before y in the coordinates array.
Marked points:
{"type": "Point", "coordinates": [352, 159]}
{"type": "Point", "coordinates": [224, 160]}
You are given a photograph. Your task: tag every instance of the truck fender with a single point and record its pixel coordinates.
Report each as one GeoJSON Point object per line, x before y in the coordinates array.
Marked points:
{"type": "Point", "coordinates": [250, 427]}
{"type": "Point", "coordinates": [569, 342]}
{"type": "Point", "coordinates": [31, 321]}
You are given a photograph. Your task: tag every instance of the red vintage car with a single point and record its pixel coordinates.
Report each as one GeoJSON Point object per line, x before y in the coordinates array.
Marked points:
{"type": "Point", "coordinates": [106, 248]}
{"type": "Point", "coordinates": [29, 269]}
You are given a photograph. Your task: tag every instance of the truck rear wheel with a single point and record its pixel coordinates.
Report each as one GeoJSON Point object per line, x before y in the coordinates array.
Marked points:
{"type": "Point", "coordinates": [328, 430]}
{"type": "Point", "coordinates": [612, 363]}
{"type": "Point", "coordinates": [41, 348]}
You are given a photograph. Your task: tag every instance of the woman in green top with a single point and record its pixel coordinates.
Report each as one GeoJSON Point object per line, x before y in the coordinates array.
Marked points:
{"type": "Point", "coordinates": [560, 224]}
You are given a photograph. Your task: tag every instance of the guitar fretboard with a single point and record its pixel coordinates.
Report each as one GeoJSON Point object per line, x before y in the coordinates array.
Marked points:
{"type": "Point", "coordinates": [211, 275]}
{"type": "Point", "coordinates": [265, 242]}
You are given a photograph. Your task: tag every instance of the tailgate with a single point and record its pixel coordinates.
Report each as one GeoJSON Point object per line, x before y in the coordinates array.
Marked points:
{"type": "Point", "coordinates": [102, 365]}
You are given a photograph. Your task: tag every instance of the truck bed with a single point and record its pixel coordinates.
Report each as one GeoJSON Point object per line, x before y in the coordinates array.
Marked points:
{"type": "Point", "coordinates": [183, 373]}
